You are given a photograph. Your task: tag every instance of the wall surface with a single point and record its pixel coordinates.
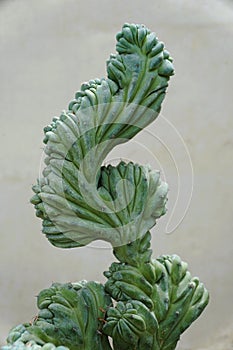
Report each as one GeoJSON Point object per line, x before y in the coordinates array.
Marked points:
{"type": "Point", "coordinates": [47, 49]}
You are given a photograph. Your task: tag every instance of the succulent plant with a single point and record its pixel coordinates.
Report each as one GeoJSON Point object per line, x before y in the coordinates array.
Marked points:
{"type": "Point", "coordinates": [145, 303]}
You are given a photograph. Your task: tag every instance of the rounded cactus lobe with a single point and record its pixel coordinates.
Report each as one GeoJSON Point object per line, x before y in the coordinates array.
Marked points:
{"type": "Point", "coordinates": [32, 345]}
{"type": "Point", "coordinates": [131, 197]}
{"type": "Point", "coordinates": [127, 323]}
{"type": "Point", "coordinates": [168, 294]}
{"type": "Point", "coordinates": [20, 338]}
{"type": "Point", "coordinates": [70, 315]}
{"type": "Point", "coordinates": [178, 298]}
{"type": "Point", "coordinates": [126, 282]}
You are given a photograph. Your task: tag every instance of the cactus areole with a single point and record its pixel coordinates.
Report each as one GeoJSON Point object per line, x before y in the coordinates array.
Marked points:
{"type": "Point", "coordinates": [145, 303]}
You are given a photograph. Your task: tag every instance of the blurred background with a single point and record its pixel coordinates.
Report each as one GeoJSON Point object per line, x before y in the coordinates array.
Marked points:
{"type": "Point", "coordinates": [47, 49]}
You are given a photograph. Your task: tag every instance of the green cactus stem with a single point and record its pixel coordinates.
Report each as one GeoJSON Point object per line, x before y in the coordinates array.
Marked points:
{"type": "Point", "coordinates": [146, 303]}
{"type": "Point", "coordinates": [81, 201]}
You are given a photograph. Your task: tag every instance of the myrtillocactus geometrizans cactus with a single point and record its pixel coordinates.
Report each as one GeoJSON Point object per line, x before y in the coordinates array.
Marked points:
{"type": "Point", "coordinates": [145, 304]}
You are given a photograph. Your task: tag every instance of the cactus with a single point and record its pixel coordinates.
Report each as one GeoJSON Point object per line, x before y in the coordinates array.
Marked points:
{"type": "Point", "coordinates": [145, 303]}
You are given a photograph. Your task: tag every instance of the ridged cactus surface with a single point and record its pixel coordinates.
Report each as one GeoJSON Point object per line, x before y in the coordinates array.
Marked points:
{"type": "Point", "coordinates": [146, 303]}
{"type": "Point", "coordinates": [69, 315]}
{"type": "Point", "coordinates": [153, 308]}
{"type": "Point", "coordinates": [78, 200]}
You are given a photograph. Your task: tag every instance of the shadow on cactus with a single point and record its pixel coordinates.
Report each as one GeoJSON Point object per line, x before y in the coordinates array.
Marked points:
{"type": "Point", "coordinates": [145, 303]}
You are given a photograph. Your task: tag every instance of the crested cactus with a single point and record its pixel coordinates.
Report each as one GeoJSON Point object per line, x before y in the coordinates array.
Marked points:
{"type": "Point", "coordinates": [145, 303]}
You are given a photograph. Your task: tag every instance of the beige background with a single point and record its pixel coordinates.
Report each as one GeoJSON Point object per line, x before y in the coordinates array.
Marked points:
{"type": "Point", "coordinates": [47, 49]}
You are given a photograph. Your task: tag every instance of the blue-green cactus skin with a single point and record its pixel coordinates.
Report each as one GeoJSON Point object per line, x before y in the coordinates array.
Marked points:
{"type": "Point", "coordinates": [145, 304]}
{"type": "Point", "coordinates": [32, 345]}
{"type": "Point", "coordinates": [131, 324]}
{"type": "Point", "coordinates": [78, 200]}
{"type": "Point", "coordinates": [70, 315]}
{"type": "Point", "coordinates": [171, 299]}
{"type": "Point", "coordinates": [20, 339]}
